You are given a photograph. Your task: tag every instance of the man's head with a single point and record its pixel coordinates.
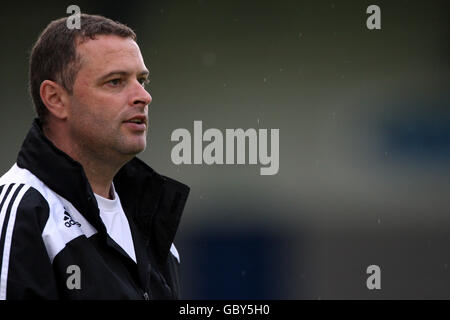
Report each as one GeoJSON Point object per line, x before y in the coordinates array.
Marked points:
{"type": "Point", "coordinates": [88, 84]}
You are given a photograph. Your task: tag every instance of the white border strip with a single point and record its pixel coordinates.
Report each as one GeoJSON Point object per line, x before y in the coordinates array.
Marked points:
{"type": "Point", "coordinates": [8, 237]}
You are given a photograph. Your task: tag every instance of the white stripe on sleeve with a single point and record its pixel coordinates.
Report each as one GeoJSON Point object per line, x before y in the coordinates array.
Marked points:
{"type": "Point", "coordinates": [8, 237]}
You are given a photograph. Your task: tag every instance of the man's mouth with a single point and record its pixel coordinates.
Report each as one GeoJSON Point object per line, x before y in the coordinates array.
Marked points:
{"type": "Point", "coordinates": [137, 123]}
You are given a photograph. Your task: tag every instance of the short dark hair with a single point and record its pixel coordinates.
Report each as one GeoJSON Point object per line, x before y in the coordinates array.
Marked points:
{"type": "Point", "coordinates": [54, 56]}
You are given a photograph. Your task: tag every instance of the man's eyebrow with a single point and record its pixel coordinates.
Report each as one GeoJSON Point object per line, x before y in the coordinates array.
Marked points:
{"type": "Point", "coordinates": [122, 73]}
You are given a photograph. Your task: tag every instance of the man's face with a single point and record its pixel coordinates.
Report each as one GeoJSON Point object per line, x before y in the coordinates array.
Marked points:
{"type": "Point", "coordinates": [108, 109]}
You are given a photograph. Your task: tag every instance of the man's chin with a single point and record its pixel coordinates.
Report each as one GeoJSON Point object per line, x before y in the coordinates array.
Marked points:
{"type": "Point", "coordinates": [132, 150]}
{"type": "Point", "coordinates": [135, 151]}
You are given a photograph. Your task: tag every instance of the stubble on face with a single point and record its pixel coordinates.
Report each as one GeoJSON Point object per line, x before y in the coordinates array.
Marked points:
{"type": "Point", "coordinates": [98, 109]}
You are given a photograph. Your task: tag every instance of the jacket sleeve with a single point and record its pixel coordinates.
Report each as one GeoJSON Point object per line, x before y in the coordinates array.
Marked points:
{"type": "Point", "coordinates": [26, 270]}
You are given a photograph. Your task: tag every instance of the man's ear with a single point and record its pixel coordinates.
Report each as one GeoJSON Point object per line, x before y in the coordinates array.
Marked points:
{"type": "Point", "coordinates": [55, 98]}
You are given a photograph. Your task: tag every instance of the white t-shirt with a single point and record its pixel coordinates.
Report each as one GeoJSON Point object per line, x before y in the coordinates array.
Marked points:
{"type": "Point", "coordinates": [116, 222]}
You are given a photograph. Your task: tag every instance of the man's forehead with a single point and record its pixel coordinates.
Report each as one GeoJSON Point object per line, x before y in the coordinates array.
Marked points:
{"type": "Point", "coordinates": [107, 47]}
{"type": "Point", "coordinates": [110, 52]}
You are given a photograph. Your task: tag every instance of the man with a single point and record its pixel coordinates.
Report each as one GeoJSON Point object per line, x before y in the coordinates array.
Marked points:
{"type": "Point", "coordinates": [80, 216]}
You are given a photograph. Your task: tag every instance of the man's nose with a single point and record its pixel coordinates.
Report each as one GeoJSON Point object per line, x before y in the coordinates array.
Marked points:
{"type": "Point", "coordinates": [140, 96]}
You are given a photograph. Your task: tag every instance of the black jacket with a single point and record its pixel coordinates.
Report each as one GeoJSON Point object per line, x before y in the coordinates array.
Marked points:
{"type": "Point", "coordinates": [50, 224]}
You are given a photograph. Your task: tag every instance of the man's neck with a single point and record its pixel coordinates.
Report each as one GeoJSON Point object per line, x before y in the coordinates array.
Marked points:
{"type": "Point", "coordinates": [99, 169]}
{"type": "Point", "coordinates": [100, 177]}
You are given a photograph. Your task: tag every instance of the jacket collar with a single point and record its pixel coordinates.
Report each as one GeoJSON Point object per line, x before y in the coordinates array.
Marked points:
{"type": "Point", "coordinates": [153, 201]}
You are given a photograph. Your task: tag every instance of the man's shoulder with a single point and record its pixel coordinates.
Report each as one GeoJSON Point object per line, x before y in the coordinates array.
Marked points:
{"type": "Point", "coordinates": [34, 203]}
{"type": "Point", "coordinates": [19, 175]}
{"type": "Point", "coordinates": [21, 205]}
{"type": "Point", "coordinates": [28, 191]}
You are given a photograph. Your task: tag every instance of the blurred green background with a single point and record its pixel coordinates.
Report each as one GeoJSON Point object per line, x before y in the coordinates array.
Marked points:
{"type": "Point", "coordinates": [364, 119]}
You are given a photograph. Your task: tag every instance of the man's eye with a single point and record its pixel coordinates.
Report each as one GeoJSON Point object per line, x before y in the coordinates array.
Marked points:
{"type": "Point", "coordinates": [115, 82]}
{"type": "Point", "coordinates": [144, 81]}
